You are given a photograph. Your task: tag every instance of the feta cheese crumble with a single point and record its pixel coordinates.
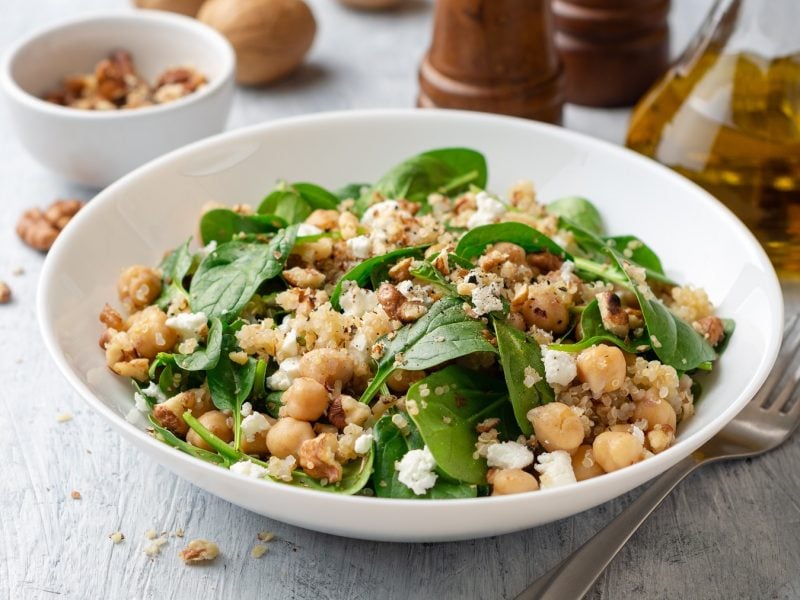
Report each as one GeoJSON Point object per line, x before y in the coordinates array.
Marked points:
{"type": "Point", "coordinates": [485, 300]}
{"type": "Point", "coordinates": [489, 211]}
{"type": "Point", "coordinates": [531, 377]}
{"type": "Point", "coordinates": [306, 229]}
{"type": "Point", "coordinates": [416, 470]}
{"type": "Point", "coordinates": [555, 469]}
{"type": "Point", "coordinates": [559, 367]}
{"type": "Point", "coordinates": [248, 468]}
{"type": "Point", "coordinates": [379, 211]}
{"type": "Point", "coordinates": [356, 301]}
{"type": "Point", "coordinates": [359, 246]}
{"type": "Point", "coordinates": [287, 372]}
{"type": "Point", "coordinates": [254, 424]}
{"type": "Point", "coordinates": [508, 455]}
{"type": "Point", "coordinates": [187, 325]}
{"type": "Point", "coordinates": [363, 443]}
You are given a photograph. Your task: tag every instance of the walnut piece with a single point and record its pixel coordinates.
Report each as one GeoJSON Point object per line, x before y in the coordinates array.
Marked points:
{"type": "Point", "coordinates": [318, 458]}
{"type": "Point", "coordinates": [198, 551]}
{"type": "Point", "coordinates": [711, 328]}
{"type": "Point", "coordinates": [39, 229]}
{"type": "Point", "coordinates": [5, 293]}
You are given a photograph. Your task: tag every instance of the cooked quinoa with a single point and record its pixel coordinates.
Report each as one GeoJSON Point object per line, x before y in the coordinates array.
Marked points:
{"type": "Point", "coordinates": [444, 342]}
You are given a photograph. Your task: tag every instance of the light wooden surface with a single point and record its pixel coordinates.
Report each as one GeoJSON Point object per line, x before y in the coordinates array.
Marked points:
{"type": "Point", "coordinates": [730, 531]}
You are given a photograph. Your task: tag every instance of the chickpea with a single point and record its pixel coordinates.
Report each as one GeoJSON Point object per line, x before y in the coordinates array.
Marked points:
{"type": "Point", "coordinates": [218, 423]}
{"type": "Point", "coordinates": [655, 412]}
{"type": "Point", "coordinates": [603, 368]}
{"type": "Point", "coordinates": [324, 219]}
{"type": "Point", "coordinates": [660, 438]}
{"type": "Point", "coordinates": [557, 427]}
{"type": "Point", "coordinates": [257, 445]}
{"type": "Point", "coordinates": [306, 399]}
{"type": "Point", "coordinates": [149, 332]}
{"type": "Point", "coordinates": [515, 253]}
{"type": "Point", "coordinates": [584, 464]}
{"type": "Point", "coordinates": [138, 286]}
{"type": "Point", "coordinates": [615, 449]}
{"type": "Point", "coordinates": [287, 435]}
{"type": "Point", "coordinates": [547, 312]}
{"type": "Point", "coordinates": [311, 252]}
{"type": "Point", "coordinates": [169, 413]}
{"type": "Point", "coordinates": [513, 481]}
{"type": "Point", "coordinates": [401, 379]}
{"type": "Point", "coordinates": [327, 366]}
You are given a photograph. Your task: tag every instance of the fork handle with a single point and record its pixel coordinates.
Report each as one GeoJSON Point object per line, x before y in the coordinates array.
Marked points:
{"type": "Point", "coordinates": [573, 577]}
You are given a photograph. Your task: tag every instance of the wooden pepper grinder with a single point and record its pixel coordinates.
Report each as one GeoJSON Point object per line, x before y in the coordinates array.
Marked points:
{"type": "Point", "coordinates": [494, 56]}
{"type": "Point", "coordinates": [613, 50]}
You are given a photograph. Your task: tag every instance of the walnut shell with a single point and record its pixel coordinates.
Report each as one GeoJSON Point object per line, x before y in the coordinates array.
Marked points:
{"type": "Point", "coordinates": [270, 37]}
{"type": "Point", "coordinates": [183, 7]}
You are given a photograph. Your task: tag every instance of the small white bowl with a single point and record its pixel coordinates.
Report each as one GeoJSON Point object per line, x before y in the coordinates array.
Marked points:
{"type": "Point", "coordinates": [95, 148]}
{"type": "Point", "coordinates": [157, 207]}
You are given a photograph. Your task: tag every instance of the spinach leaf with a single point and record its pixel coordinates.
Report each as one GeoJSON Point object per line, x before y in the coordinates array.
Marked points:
{"type": "Point", "coordinates": [445, 332]}
{"type": "Point", "coordinates": [355, 476]}
{"type": "Point", "coordinates": [228, 277]}
{"type": "Point", "coordinates": [231, 383]}
{"type": "Point", "coordinates": [204, 358]}
{"type": "Point", "coordinates": [222, 225]}
{"type": "Point", "coordinates": [352, 191]}
{"type": "Point", "coordinates": [316, 196]}
{"type": "Point", "coordinates": [446, 406]}
{"type": "Point", "coordinates": [728, 327]}
{"type": "Point", "coordinates": [594, 333]}
{"type": "Point", "coordinates": [637, 252]}
{"type": "Point", "coordinates": [362, 272]}
{"type": "Point", "coordinates": [390, 446]}
{"type": "Point", "coordinates": [579, 211]}
{"type": "Point", "coordinates": [446, 170]}
{"type": "Point", "coordinates": [474, 242]}
{"type": "Point", "coordinates": [175, 266]}
{"type": "Point", "coordinates": [295, 202]}
{"type": "Point", "coordinates": [425, 271]}
{"type": "Point", "coordinates": [519, 352]}
{"type": "Point", "coordinates": [673, 340]}
{"type": "Point", "coordinates": [169, 438]}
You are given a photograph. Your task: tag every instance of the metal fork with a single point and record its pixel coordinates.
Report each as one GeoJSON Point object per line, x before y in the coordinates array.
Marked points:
{"type": "Point", "coordinates": [764, 424]}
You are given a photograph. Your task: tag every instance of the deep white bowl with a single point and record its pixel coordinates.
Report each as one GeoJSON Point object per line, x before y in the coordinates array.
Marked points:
{"type": "Point", "coordinates": [157, 207]}
{"type": "Point", "coordinates": [95, 148]}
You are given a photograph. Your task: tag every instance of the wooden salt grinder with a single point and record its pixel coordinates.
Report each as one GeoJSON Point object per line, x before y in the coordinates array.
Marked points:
{"type": "Point", "coordinates": [613, 50]}
{"type": "Point", "coordinates": [494, 56]}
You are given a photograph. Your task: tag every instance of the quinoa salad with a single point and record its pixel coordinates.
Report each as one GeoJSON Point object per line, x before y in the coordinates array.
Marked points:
{"type": "Point", "coordinates": [417, 337]}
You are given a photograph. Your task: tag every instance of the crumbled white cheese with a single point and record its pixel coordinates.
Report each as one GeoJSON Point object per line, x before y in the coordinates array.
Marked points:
{"type": "Point", "coordinates": [416, 470]}
{"type": "Point", "coordinates": [254, 424]}
{"type": "Point", "coordinates": [356, 301]}
{"type": "Point", "coordinates": [559, 367]}
{"type": "Point", "coordinates": [187, 325]}
{"type": "Point", "coordinates": [638, 434]}
{"type": "Point", "coordinates": [247, 409]}
{"type": "Point", "coordinates": [288, 347]}
{"type": "Point", "coordinates": [141, 403]}
{"type": "Point", "coordinates": [287, 371]}
{"type": "Point", "coordinates": [363, 443]}
{"type": "Point", "coordinates": [508, 455]}
{"type": "Point", "coordinates": [153, 392]}
{"type": "Point", "coordinates": [207, 249]}
{"type": "Point", "coordinates": [359, 246]}
{"type": "Point", "coordinates": [485, 300]}
{"type": "Point", "coordinates": [306, 229]}
{"type": "Point", "coordinates": [555, 469]}
{"type": "Point", "coordinates": [532, 377]}
{"type": "Point", "coordinates": [379, 211]}
{"type": "Point", "coordinates": [414, 292]}
{"type": "Point", "coordinates": [489, 211]}
{"type": "Point", "coordinates": [248, 468]}
{"type": "Point", "coordinates": [567, 270]}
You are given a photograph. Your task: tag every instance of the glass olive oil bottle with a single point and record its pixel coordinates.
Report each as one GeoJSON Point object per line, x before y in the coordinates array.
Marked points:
{"type": "Point", "coordinates": [727, 115]}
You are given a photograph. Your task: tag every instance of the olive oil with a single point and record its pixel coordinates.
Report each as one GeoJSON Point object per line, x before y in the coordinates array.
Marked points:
{"type": "Point", "coordinates": [731, 122]}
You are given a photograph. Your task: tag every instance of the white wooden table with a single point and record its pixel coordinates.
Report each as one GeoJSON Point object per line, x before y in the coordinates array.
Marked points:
{"type": "Point", "coordinates": [730, 531]}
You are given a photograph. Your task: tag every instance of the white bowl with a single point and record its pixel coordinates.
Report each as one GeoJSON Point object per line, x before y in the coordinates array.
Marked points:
{"type": "Point", "coordinates": [95, 148]}
{"type": "Point", "coordinates": [156, 208]}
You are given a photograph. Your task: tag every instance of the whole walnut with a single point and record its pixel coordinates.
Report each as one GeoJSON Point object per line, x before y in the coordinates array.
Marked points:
{"type": "Point", "coordinates": [270, 37]}
{"type": "Point", "coordinates": [184, 7]}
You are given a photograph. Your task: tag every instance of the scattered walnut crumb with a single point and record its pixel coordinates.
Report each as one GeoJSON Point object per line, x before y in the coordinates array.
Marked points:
{"type": "Point", "coordinates": [199, 551]}
{"type": "Point", "coordinates": [259, 550]}
{"type": "Point", "coordinates": [265, 536]}
{"type": "Point", "coordinates": [116, 537]}
{"type": "Point", "coordinates": [17, 271]}
{"type": "Point", "coordinates": [179, 532]}
{"type": "Point", "coordinates": [39, 229]}
{"type": "Point", "coordinates": [154, 548]}
{"type": "Point", "coordinates": [5, 293]}
{"type": "Point", "coordinates": [150, 534]}
{"type": "Point", "coordinates": [75, 495]}
{"type": "Point", "coordinates": [64, 417]}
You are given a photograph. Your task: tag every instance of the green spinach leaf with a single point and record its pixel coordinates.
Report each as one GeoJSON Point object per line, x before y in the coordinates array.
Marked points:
{"type": "Point", "coordinates": [205, 358]}
{"type": "Point", "coordinates": [175, 266]}
{"type": "Point", "coordinates": [228, 277]}
{"type": "Point", "coordinates": [445, 332]}
{"type": "Point", "coordinates": [355, 476]}
{"type": "Point", "coordinates": [425, 271]}
{"type": "Point", "coordinates": [222, 225]}
{"type": "Point", "coordinates": [169, 438]}
{"type": "Point", "coordinates": [594, 333]}
{"type": "Point", "coordinates": [352, 191]}
{"type": "Point", "coordinates": [475, 241]}
{"type": "Point", "coordinates": [579, 211]}
{"type": "Point", "coordinates": [295, 202]}
{"type": "Point", "coordinates": [519, 352]}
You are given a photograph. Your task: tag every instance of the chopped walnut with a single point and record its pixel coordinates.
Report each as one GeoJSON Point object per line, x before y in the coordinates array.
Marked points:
{"type": "Point", "coordinates": [390, 299]}
{"type": "Point", "coordinates": [111, 318]}
{"type": "Point", "coordinates": [401, 271]}
{"type": "Point", "coordinates": [304, 277]}
{"type": "Point", "coordinates": [5, 293]}
{"type": "Point", "coordinates": [710, 328]}
{"type": "Point", "coordinates": [544, 262]}
{"type": "Point", "coordinates": [318, 458]}
{"type": "Point", "coordinates": [39, 229]}
{"type": "Point", "coordinates": [75, 495]}
{"type": "Point", "coordinates": [198, 551]}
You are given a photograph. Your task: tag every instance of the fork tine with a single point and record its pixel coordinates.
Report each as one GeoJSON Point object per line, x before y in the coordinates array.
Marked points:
{"type": "Point", "coordinates": [780, 370]}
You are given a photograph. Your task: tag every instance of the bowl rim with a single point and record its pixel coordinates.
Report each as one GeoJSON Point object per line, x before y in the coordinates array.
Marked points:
{"type": "Point", "coordinates": [642, 471]}
{"type": "Point", "coordinates": [183, 25]}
